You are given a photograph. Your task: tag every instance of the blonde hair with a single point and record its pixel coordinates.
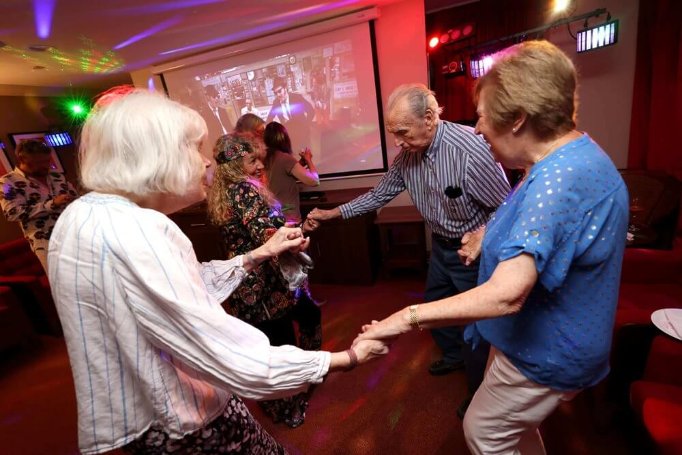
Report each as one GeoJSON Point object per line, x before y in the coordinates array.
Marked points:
{"type": "Point", "coordinates": [228, 173]}
{"type": "Point", "coordinates": [535, 78]}
{"type": "Point", "coordinates": [419, 98]}
{"type": "Point", "coordinates": [141, 143]}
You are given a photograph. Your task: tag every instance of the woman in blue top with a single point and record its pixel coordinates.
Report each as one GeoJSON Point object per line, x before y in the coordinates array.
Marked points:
{"type": "Point", "coordinates": [550, 258]}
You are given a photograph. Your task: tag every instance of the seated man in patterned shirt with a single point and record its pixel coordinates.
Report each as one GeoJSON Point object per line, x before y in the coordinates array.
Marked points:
{"type": "Point", "coordinates": [35, 195]}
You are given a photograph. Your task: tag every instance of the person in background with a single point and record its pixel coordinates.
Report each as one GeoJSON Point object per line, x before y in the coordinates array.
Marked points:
{"type": "Point", "coordinates": [158, 365]}
{"type": "Point", "coordinates": [551, 256]}
{"type": "Point", "coordinates": [247, 216]}
{"type": "Point", "coordinates": [456, 185]}
{"type": "Point", "coordinates": [248, 107]}
{"type": "Point", "coordinates": [284, 170]}
{"type": "Point", "coordinates": [217, 116]}
{"type": "Point", "coordinates": [321, 96]}
{"type": "Point", "coordinates": [34, 195]}
{"type": "Point", "coordinates": [250, 123]}
{"type": "Point", "coordinates": [293, 111]}
{"type": "Point", "coordinates": [251, 128]}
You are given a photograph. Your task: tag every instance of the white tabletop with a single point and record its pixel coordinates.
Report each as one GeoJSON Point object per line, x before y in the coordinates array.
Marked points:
{"type": "Point", "coordinates": [669, 320]}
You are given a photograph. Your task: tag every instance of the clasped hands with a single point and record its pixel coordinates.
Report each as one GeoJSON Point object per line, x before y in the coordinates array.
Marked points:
{"type": "Point", "coordinates": [376, 337]}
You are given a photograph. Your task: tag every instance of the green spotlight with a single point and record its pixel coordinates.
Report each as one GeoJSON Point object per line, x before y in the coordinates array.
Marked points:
{"type": "Point", "coordinates": [77, 109]}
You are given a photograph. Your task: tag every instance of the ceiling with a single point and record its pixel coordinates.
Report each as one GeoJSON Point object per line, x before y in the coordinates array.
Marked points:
{"type": "Point", "coordinates": [97, 44]}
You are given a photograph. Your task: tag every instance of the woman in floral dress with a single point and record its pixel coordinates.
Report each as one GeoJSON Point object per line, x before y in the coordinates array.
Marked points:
{"type": "Point", "coordinates": [248, 216]}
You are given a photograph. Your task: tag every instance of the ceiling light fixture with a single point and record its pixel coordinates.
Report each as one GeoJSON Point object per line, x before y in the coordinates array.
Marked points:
{"type": "Point", "coordinates": [597, 36]}
{"type": "Point", "coordinates": [39, 47]}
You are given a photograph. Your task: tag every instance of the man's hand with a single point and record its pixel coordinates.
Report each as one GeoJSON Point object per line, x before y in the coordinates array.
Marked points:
{"type": "Point", "coordinates": [471, 246]}
{"type": "Point", "coordinates": [324, 215]}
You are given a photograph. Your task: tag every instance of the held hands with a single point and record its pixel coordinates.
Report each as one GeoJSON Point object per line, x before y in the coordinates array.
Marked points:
{"type": "Point", "coordinates": [285, 239]}
{"type": "Point", "coordinates": [471, 246]}
{"type": "Point", "coordinates": [386, 330]}
{"type": "Point", "coordinates": [367, 350]}
{"type": "Point", "coordinates": [324, 215]}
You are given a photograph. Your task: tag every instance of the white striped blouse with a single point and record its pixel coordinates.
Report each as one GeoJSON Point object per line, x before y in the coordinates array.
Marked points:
{"type": "Point", "coordinates": [147, 338]}
{"type": "Point", "coordinates": [458, 160]}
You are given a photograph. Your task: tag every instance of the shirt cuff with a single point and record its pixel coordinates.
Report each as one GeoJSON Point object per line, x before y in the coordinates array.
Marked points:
{"type": "Point", "coordinates": [346, 211]}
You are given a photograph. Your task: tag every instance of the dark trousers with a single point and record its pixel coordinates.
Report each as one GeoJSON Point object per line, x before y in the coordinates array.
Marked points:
{"type": "Point", "coordinates": [447, 276]}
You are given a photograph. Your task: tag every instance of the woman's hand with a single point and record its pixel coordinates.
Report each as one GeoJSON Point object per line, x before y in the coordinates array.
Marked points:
{"type": "Point", "coordinates": [309, 225]}
{"type": "Point", "coordinates": [285, 239]}
{"type": "Point", "coordinates": [306, 155]}
{"type": "Point", "coordinates": [361, 352]}
{"type": "Point", "coordinates": [367, 350]}
{"type": "Point", "coordinates": [386, 330]}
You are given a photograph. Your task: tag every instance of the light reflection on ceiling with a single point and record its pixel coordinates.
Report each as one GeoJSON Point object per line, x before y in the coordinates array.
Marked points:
{"type": "Point", "coordinates": [43, 11]}
{"type": "Point", "coordinates": [149, 32]}
{"type": "Point", "coordinates": [89, 42]}
{"type": "Point", "coordinates": [239, 36]}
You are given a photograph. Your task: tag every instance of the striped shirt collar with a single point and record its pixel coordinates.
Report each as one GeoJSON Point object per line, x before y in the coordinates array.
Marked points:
{"type": "Point", "coordinates": [433, 147]}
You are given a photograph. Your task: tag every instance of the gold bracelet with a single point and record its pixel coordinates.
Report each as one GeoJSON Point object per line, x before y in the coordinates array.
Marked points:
{"type": "Point", "coordinates": [414, 319]}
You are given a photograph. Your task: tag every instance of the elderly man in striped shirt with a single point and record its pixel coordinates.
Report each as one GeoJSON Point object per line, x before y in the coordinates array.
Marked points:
{"type": "Point", "coordinates": [456, 185]}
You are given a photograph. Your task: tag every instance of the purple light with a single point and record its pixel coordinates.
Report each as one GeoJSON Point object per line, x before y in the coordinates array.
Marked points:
{"type": "Point", "coordinates": [43, 10]}
{"type": "Point", "coordinates": [316, 9]}
{"type": "Point", "coordinates": [163, 7]}
{"type": "Point", "coordinates": [149, 32]}
{"type": "Point", "coordinates": [229, 38]}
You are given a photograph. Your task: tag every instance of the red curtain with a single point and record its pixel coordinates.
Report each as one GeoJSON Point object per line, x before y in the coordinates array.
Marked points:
{"type": "Point", "coordinates": [655, 141]}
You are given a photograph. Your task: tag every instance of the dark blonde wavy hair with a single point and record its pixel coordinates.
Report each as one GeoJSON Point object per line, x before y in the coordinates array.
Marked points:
{"type": "Point", "coordinates": [229, 172]}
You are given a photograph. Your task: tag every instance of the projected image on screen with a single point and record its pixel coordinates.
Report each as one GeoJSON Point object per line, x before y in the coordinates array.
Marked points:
{"type": "Point", "coordinates": [322, 89]}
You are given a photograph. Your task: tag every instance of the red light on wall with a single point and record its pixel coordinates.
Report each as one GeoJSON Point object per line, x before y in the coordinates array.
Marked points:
{"type": "Point", "coordinates": [458, 33]}
{"type": "Point", "coordinates": [433, 42]}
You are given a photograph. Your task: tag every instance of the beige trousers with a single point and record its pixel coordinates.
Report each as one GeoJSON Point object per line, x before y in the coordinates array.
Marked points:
{"type": "Point", "coordinates": [508, 408]}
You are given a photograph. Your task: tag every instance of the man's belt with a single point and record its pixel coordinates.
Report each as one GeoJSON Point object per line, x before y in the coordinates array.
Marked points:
{"type": "Point", "coordinates": [447, 242]}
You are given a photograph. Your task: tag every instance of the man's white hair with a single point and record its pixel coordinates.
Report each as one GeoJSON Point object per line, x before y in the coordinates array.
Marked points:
{"type": "Point", "coordinates": [419, 99]}
{"type": "Point", "coordinates": [141, 143]}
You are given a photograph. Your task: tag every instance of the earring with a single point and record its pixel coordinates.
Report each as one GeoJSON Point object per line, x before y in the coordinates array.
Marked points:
{"type": "Point", "coordinates": [514, 130]}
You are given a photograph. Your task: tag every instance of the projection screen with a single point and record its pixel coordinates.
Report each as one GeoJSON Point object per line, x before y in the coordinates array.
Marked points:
{"type": "Point", "coordinates": [322, 88]}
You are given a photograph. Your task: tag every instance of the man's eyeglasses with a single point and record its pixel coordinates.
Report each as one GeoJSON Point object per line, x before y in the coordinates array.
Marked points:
{"type": "Point", "coordinates": [279, 90]}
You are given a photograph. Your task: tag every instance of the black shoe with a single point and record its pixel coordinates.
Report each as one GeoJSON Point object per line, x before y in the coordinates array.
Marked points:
{"type": "Point", "coordinates": [463, 406]}
{"type": "Point", "coordinates": [440, 367]}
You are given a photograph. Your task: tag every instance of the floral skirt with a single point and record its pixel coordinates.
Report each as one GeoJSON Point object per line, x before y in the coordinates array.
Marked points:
{"type": "Point", "coordinates": [234, 431]}
{"type": "Point", "coordinates": [306, 316]}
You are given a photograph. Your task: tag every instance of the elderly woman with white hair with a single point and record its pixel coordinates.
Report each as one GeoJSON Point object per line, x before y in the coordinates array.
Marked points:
{"type": "Point", "coordinates": [550, 260]}
{"type": "Point", "coordinates": [158, 365]}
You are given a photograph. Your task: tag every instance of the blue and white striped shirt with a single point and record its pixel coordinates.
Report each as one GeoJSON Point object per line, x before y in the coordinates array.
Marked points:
{"type": "Point", "coordinates": [456, 158]}
{"type": "Point", "coordinates": [148, 341]}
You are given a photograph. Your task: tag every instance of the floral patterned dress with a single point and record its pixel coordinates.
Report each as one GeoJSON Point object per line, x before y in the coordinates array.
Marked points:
{"type": "Point", "coordinates": [263, 299]}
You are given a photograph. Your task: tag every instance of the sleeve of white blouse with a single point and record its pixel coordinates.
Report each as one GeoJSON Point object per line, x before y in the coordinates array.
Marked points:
{"type": "Point", "coordinates": [180, 315]}
{"type": "Point", "coordinates": [222, 277]}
